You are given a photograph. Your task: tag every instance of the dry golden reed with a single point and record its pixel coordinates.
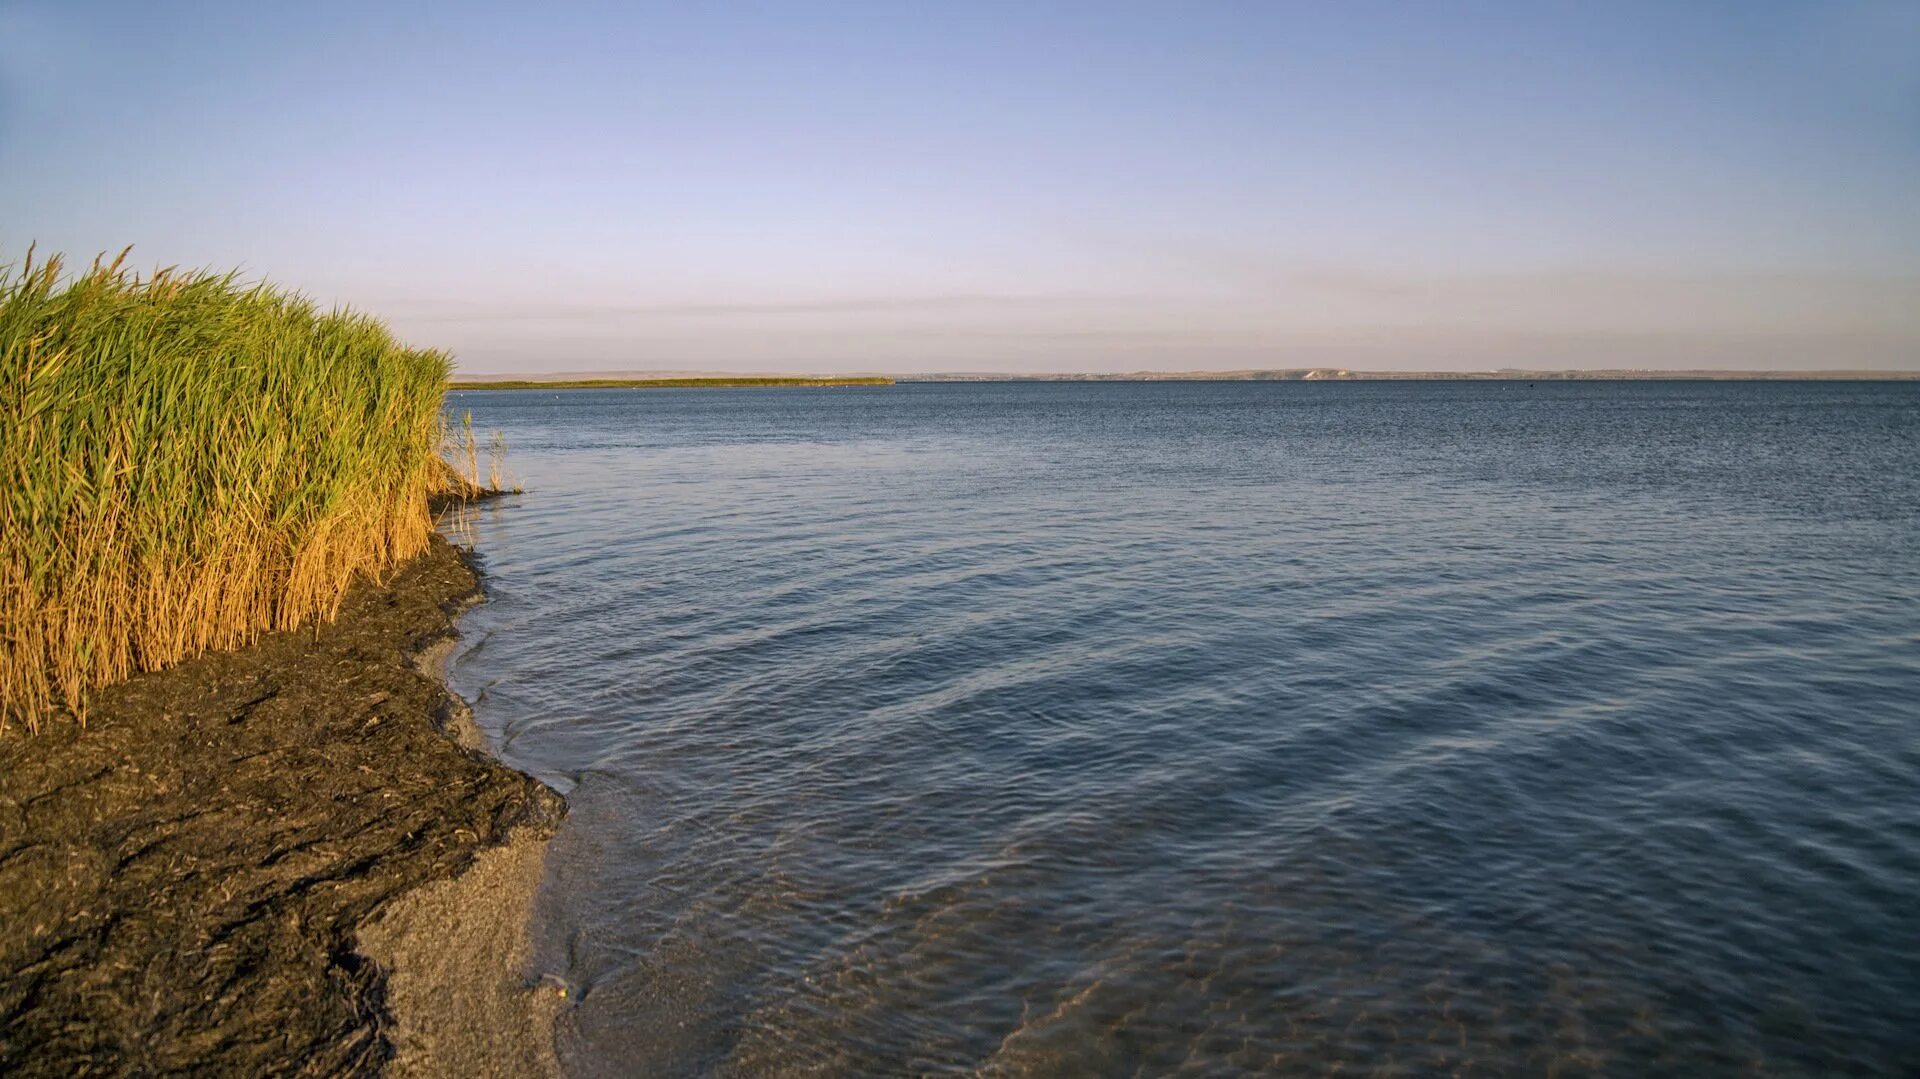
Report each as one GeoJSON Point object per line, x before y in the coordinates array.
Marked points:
{"type": "Point", "coordinates": [188, 460]}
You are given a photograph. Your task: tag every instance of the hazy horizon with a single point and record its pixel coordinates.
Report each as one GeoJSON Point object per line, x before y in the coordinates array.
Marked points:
{"type": "Point", "coordinates": [1099, 188]}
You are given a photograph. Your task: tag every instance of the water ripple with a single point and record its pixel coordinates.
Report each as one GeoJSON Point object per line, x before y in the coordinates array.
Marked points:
{"type": "Point", "coordinates": [1219, 729]}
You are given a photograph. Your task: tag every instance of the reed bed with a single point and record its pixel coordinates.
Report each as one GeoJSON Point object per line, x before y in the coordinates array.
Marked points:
{"type": "Point", "coordinates": [189, 460]}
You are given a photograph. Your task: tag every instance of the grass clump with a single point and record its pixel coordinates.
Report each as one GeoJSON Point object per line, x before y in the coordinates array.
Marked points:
{"type": "Point", "coordinates": [188, 460]}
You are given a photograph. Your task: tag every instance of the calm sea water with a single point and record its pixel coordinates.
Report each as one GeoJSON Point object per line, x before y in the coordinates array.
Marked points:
{"type": "Point", "coordinates": [1213, 728]}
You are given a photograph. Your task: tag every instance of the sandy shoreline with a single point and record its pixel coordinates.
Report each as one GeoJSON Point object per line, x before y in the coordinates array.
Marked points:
{"type": "Point", "coordinates": [456, 954]}
{"type": "Point", "coordinates": [292, 857]}
{"type": "Point", "coordinates": [457, 951]}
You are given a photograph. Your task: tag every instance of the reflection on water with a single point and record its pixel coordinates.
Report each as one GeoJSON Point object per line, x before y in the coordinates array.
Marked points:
{"type": "Point", "coordinates": [1215, 728]}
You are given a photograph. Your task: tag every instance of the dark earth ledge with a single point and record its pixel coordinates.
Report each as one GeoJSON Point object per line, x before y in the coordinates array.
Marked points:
{"type": "Point", "coordinates": [181, 882]}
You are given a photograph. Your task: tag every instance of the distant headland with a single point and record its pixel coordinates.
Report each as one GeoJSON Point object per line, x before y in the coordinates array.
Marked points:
{"type": "Point", "coordinates": [660, 383]}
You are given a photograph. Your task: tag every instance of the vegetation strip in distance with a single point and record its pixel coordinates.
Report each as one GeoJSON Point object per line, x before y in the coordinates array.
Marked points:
{"type": "Point", "coordinates": [662, 383]}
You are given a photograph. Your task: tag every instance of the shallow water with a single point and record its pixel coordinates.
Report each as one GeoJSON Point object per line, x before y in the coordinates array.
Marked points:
{"type": "Point", "coordinates": [1206, 728]}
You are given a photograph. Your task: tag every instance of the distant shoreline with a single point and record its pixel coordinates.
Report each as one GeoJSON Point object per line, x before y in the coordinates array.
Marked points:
{"type": "Point", "coordinates": [1299, 374]}
{"type": "Point", "coordinates": [659, 383]}
{"type": "Point", "coordinates": [1331, 374]}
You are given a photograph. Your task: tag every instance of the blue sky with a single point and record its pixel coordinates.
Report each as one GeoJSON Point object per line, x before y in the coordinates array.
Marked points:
{"type": "Point", "coordinates": [1005, 187]}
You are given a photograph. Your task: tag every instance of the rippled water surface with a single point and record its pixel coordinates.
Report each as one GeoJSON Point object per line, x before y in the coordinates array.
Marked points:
{"type": "Point", "coordinates": [1211, 728]}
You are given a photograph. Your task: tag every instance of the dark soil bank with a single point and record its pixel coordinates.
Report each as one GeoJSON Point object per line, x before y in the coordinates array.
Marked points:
{"type": "Point", "coordinates": [180, 883]}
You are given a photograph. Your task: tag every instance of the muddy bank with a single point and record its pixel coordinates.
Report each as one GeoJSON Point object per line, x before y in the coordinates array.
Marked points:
{"type": "Point", "coordinates": [183, 883]}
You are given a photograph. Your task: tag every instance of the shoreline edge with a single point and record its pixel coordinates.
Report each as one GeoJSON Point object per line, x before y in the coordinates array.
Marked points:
{"type": "Point", "coordinates": [294, 856]}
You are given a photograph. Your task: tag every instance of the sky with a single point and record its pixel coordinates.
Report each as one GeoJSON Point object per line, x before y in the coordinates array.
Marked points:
{"type": "Point", "coordinates": [1021, 187]}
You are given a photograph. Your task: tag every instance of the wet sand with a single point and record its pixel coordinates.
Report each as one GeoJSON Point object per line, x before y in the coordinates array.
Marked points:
{"type": "Point", "coordinates": [457, 954]}
{"type": "Point", "coordinates": [189, 883]}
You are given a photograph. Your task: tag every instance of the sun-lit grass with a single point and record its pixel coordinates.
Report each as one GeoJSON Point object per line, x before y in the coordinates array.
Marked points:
{"type": "Point", "coordinates": [189, 460]}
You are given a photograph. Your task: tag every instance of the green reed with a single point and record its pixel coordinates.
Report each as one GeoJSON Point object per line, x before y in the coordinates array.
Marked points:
{"type": "Point", "coordinates": [188, 460]}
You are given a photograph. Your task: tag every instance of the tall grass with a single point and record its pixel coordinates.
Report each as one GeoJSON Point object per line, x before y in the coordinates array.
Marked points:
{"type": "Point", "coordinates": [188, 460]}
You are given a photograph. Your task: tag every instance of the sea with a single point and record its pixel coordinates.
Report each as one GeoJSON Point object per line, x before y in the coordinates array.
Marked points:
{"type": "Point", "coordinates": [1216, 728]}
